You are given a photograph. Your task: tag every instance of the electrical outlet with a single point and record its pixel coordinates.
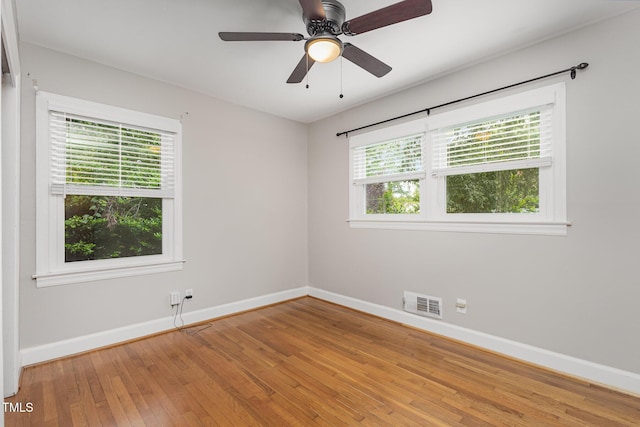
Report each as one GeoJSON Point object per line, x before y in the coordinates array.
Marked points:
{"type": "Point", "coordinates": [188, 293]}
{"type": "Point", "coordinates": [461, 305]}
{"type": "Point", "coordinates": [175, 298]}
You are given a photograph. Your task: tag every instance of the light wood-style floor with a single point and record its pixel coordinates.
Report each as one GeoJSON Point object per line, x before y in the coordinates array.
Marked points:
{"type": "Point", "coordinates": [307, 362]}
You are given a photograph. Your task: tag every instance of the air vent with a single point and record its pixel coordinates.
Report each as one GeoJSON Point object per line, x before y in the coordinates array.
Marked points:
{"type": "Point", "coordinates": [423, 305]}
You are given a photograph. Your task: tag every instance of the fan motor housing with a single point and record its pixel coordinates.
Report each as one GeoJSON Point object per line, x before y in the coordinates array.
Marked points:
{"type": "Point", "coordinates": [334, 17]}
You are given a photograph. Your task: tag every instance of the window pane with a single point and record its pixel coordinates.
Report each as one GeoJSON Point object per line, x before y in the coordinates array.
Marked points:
{"type": "Point", "coordinates": [397, 197]}
{"type": "Point", "coordinates": [98, 227]}
{"type": "Point", "coordinates": [515, 137]}
{"type": "Point", "coordinates": [511, 138]}
{"type": "Point", "coordinates": [388, 158]}
{"type": "Point", "coordinates": [111, 155]}
{"type": "Point", "coordinates": [514, 191]}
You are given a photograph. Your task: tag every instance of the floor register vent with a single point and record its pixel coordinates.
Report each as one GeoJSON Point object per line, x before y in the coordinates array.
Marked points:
{"type": "Point", "coordinates": [423, 305]}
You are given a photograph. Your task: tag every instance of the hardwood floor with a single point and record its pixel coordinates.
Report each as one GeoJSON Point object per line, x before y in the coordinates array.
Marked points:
{"type": "Point", "coordinates": [307, 362]}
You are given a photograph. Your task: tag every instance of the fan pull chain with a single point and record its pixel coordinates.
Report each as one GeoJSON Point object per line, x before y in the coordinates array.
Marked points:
{"type": "Point", "coordinates": [341, 95]}
{"type": "Point", "coordinates": [307, 75]}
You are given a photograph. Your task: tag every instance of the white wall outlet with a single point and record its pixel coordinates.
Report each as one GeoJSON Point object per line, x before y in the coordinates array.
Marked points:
{"type": "Point", "coordinates": [188, 293]}
{"type": "Point", "coordinates": [461, 305]}
{"type": "Point", "coordinates": [175, 298]}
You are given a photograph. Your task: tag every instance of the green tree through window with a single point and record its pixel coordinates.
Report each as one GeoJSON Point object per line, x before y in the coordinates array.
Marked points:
{"type": "Point", "coordinates": [99, 227]}
{"type": "Point", "coordinates": [395, 197]}
{"type": "Point", "coordinates": [511, 191]}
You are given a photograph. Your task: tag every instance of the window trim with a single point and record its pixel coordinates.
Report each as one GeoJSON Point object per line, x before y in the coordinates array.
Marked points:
{"type": "Point", "coordinates": [51, 270]}
{"type": "Point", "coordinates": [551, 220]}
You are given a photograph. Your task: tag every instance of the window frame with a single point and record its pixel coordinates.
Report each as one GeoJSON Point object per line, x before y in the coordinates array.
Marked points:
{"type": "Point", "coordinates": [51, 268]}
{"type": "Point", "coordinates": [551, 218]}
{"type": "Point", "coordinates": [358, 195]}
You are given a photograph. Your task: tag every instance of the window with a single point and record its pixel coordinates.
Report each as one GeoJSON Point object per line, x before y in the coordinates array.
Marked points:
{"type": "Point", "coordinates": [497, 166]}
{"type": "Point", "coordinates": [387, 173]}
{"type": "Point", "coordinates": [108, 199]}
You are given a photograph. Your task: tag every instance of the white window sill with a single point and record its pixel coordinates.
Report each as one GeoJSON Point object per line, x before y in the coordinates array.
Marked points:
{"type": "Point", "coordinates": [541, 228]}
{"type": "Point", "coordinates": [89, 275]}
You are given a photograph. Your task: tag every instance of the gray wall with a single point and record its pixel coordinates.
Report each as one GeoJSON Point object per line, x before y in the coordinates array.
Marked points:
{"type": "Point", "coordinates": [245, 204]}
{"type": "Point", "coordinates": [577, 295]}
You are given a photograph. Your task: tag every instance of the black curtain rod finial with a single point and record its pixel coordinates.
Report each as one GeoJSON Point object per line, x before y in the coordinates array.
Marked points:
{"type": "Point", "coordinates": [580, 66]}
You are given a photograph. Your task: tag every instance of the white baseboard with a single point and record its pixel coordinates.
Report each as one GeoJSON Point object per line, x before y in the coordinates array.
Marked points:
{"type": "Point", "coordinates": [71, 346]}
{"type": "Point", "coordinates": [593, 372]}
{"type": "Point", "coordinates": [612, 377]}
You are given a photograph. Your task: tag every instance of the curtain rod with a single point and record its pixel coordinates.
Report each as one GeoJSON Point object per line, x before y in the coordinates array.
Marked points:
{"type": "Point", "coordinates": [573, 69]}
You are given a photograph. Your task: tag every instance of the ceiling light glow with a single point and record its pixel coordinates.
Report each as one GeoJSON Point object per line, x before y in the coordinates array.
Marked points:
{"type": "Point", "coordinates": [324, 49]}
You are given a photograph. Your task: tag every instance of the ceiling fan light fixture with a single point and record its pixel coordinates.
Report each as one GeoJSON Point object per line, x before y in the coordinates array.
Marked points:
{"type": "Point", "coordinates": [324, 48]}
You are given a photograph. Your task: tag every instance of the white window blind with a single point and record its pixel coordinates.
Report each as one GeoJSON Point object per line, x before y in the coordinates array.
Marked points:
{"type": "Point", "coordinates": [107, 158]}
{"type": "Point", "coordinates": [516, 140]}
{"type": "Point", "coordinates": [395, 160]}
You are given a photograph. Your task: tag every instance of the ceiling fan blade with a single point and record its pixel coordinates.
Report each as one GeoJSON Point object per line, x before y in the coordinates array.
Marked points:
{"type": "Point", "coordinates": [301, 69]}
{"type": "Point", "coordinates": [364, 60]}
{"type": "Point", "coordinates": [312, 9]}
{"type": "Point", "coordinates": [250, 37]}
{"type": "Point", "coordinates": [402, 11]}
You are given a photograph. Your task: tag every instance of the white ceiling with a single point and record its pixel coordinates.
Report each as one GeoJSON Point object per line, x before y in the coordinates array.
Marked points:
{"type": "Point", "coordinates": [176, 41]}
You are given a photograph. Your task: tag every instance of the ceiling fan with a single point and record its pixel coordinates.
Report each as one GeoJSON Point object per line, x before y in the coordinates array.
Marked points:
{"type": "Point", "coordinates": [325, 21]}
